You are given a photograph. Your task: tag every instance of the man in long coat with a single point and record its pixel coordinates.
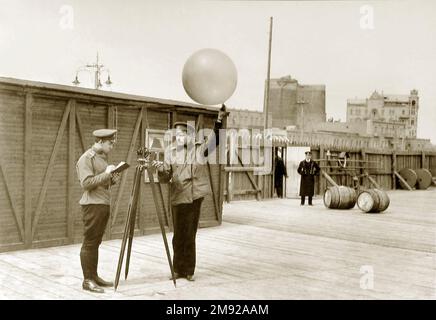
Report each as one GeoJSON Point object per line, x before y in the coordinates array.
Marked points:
{"type": "Point", "coordinates": [308, 169]}
{"type": "Point", "coordinates": [279, 172]}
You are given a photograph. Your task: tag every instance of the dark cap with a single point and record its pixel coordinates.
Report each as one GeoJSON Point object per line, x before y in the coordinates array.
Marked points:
{"type": "Point", "coordinates": [104, 133]}
{"type": "Point", "coordinates": [182, 126]}
{"type": "Point", "coordinates": [308, 152]}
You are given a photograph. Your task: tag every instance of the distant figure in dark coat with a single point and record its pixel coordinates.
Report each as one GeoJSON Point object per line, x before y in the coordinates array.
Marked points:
{"type": "Point", "coordinates": [308, 169]}
{"type": "Point", "coordinates": [279, 172]}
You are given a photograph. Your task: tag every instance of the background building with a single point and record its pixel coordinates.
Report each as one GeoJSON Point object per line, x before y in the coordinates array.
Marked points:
{"type": "Point", "coordinates": [291, 103]}
{"type": "Point", "coordinates": [393, 116]}
{"type": "Point", "coordinates": [378, 122]}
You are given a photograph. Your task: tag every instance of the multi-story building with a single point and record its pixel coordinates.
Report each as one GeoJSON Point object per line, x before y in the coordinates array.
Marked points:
{"type": "Point", "coordinates": [295, 104]}
{"type": "Point", "coordinates": [390, 115]}
{"type": "Point", "coordinates": [380, 121]}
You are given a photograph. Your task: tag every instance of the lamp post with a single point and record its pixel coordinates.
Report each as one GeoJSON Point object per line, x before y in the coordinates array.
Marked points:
{"type": "Point", "coordinates": [98, 69]}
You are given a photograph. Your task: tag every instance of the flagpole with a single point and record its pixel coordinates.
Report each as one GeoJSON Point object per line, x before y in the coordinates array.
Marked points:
{"type": "Point", "coordinates": [266, 102]}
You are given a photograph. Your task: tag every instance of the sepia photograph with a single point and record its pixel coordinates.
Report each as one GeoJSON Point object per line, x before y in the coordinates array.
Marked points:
{"type": "Point", "coordinates": [232, 153]}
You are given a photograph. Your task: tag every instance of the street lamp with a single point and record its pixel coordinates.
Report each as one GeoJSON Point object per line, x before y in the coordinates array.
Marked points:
{"type": "Point", "coordinates": [76, 81]}
{"type": "Point", "coordinates": [98, 69]}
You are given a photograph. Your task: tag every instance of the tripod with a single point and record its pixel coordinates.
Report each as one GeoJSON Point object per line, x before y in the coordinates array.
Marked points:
{"type": "Point", "coordinates": [145, 157]}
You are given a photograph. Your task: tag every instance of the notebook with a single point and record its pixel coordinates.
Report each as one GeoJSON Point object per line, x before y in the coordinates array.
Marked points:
{"type": "Point", "coordinates": [120, 167]}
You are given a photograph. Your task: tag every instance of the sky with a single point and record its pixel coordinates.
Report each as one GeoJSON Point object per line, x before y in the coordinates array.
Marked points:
{"type": "Point", "coordinates": [145, 44]}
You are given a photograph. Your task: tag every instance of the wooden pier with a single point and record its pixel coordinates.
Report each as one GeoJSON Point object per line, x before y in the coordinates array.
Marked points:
{"type": "Point", "coordinates": [272, 249]}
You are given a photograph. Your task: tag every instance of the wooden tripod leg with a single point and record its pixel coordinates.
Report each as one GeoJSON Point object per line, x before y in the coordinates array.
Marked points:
{"type": "Point", "coordinates": [137, 185]}
{"type": "Point", "coordinates": [215, 202]}
{"type": "Point", "coordinates": [156, 197]}
{"type": "Point", "coordinates": [126, 228]}
{"type": "Point", "coordinates": [123, 248]}
{"type": "Point", "coordinates": [129, 243]}
{"type": "Point", "coordinates": [167, 212]}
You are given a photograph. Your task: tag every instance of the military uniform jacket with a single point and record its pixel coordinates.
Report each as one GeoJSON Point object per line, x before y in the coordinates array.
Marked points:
{"type": "Point", "coordinates": [189, 180]}
{"type": "Point", "coordinates": [95, 182]}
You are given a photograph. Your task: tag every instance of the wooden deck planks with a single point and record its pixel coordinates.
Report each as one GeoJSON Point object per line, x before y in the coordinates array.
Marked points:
{"type": "Point", "coordinates": [264, 250]}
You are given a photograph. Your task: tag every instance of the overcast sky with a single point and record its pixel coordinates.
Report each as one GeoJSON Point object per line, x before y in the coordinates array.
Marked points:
{"type": "Point", "coordinates": [146, 43]}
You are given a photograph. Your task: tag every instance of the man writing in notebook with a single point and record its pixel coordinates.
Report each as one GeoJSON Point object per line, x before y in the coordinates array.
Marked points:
{"type": "Point", "coordinates": [96, 177]}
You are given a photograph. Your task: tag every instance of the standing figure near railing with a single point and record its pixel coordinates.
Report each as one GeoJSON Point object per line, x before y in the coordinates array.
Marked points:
{"type": "Point", "coordinates": [308, 169]}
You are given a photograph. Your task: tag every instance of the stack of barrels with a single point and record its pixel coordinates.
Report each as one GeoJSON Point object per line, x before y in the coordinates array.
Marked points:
{"type": "Point", "coordinates": [419, 178]}
{"type": "Point", "coordinates": [369, 200]}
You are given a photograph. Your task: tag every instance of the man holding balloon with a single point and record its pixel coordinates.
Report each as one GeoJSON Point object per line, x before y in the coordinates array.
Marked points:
{"type": "Point", "coordinates": [189, 184]}
{"type": "Point", "coordinates": [209, 77]}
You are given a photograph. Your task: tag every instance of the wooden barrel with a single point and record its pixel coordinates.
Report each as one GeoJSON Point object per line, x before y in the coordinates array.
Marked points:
{"type": "Point", "coordinates": [373, 200]}
{"type": "Point", "coordinates": [410, 176]}
{"type": "Point", "coordinates": [424, 179]}
{"type": "Point", "coordinates": [339, 197]}
{"type": "Point", "coordinates": [331, 197]}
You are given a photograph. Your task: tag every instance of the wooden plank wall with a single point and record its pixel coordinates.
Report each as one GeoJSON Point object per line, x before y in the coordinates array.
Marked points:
{"type": "Point", "coordinates": [243, 185]}
{"type": "Point", "coordinates": [432, 165]}
{"type": "Point", "coordinates": [42, 135]}
{"type": "Point", "coordinates": [12, 200]}
{"type": "Point", "coordinates": [380, 167]}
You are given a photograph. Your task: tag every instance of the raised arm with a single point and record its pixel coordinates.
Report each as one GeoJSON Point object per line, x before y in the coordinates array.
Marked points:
{"type": "Point", "coordinates": [211, 144]}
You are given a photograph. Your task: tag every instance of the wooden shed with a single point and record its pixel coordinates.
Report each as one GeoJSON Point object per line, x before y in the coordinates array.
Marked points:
{"type": "Point", "coordinates": [44, 128]}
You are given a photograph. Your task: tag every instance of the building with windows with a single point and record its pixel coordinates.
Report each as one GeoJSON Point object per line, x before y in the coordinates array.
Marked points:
{"type": "Point", "coordinates": [378, 122]}
{"type": "Point", "coordinates": [393, 116]}
{"type": "Point", "coordinates": [295, 104]}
